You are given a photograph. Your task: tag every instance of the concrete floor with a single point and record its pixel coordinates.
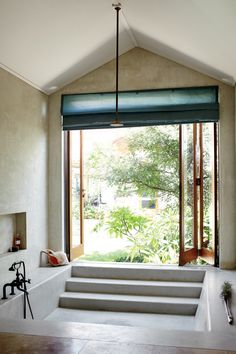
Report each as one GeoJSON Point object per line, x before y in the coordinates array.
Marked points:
{"type": "Point", "coordinates": [124, 319]}
{"type": "Point", "coordinates": [22, 344]}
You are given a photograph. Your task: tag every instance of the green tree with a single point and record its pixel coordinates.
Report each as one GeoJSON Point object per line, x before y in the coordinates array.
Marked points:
{"type": "Point", "coordinates": [123, 222]}
{"type": "Point", "coordinates": [144, 162]}
{"type": "Point", "coordinates": [151, 239]}
{"type": "Point", "coordinates": [147, 164]}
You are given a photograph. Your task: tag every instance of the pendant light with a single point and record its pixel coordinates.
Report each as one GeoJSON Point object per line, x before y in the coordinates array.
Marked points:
{"type": "Point", "coordinates": [116, 123]}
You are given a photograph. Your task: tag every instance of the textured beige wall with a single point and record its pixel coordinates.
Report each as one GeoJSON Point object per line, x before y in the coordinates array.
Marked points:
{"type": "Point", "coordinates": [23, 165]}
{"type": "Point", "coordinates": [140, 69]}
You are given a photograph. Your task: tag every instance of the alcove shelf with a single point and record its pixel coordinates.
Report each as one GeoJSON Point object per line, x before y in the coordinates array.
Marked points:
{"type": "Point", "coordinates": [10, 225]}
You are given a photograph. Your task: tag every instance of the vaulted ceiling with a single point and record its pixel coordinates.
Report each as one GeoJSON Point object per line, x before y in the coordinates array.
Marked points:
{"type": "Point", "coordinates": [50, 43]}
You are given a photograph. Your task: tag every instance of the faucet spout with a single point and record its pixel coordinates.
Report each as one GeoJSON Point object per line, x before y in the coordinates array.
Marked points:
{"type": "Point", "coordinates": [4, 290]}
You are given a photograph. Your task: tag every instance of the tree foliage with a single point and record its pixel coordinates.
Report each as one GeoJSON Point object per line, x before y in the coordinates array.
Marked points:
{"type": "Point", "coordinates": [147, 163]}
{"type": "Point", "coordinates": [123, 222]}
{"type": "Point", "coordinates": [151, 239]}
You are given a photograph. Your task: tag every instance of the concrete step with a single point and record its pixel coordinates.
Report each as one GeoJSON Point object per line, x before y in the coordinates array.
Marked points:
{"type": "Point", "coordinates": [137, 272]}
{"type": "Point", "coordinates": [134, 287]}
{"type": "Point", "coordinates": [129, 303]}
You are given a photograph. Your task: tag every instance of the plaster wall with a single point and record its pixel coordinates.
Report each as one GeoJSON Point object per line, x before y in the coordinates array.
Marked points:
{"type": "Point", "coordinates": [23, 166]}
{"type": "Point", "coordinates": [140, 69]}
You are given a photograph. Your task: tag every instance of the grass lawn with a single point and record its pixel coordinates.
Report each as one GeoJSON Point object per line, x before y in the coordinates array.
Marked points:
{"type": "Point", "coordinates": [116, 256]}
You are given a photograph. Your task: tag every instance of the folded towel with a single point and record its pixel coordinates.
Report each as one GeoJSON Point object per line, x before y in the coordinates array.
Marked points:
{"type": "Point", "coordinates": [56, 258]}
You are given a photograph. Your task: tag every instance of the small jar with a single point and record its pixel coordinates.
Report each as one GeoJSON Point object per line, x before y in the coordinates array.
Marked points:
{"type": "Point", "coordinates": [17, 241]}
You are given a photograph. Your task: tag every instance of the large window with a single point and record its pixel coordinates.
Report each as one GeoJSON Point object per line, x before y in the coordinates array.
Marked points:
{"type": "Point", "coordinates": [133, 175]}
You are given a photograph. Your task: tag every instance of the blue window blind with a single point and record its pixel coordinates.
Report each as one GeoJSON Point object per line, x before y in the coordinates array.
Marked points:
{"type": "Point", "coordinates": [141, 108]}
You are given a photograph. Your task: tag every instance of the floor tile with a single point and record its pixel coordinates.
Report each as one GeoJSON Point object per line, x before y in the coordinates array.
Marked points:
{"type": "Point", "coordinates": [25, 344]}
{"type": "Point", "coordinates": [93, 347]}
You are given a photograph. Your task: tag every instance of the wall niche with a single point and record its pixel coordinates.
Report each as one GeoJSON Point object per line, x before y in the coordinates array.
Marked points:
{"type": "Point", "coordinates": [10, 225]}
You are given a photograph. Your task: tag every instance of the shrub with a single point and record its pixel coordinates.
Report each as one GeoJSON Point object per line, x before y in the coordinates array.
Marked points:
{"type": "Point", "coordinates": [152, 239]}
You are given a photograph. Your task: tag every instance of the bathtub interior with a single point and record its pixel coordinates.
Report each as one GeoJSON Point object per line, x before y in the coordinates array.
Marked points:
{"type": "Point", "coordinates": [44, 297]}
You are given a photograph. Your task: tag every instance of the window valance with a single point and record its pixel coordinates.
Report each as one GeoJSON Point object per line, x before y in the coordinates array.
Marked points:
{"type": "Point", "coordinates": [140, 108]}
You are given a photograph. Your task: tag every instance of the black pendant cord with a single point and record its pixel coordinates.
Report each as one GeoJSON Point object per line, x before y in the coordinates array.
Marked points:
{"type": "Point", "coordinates": [117, 8]}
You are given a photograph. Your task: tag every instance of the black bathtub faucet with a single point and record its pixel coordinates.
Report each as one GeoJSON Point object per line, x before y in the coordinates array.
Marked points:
{"type": "Point", "coordinates": [18, 283]}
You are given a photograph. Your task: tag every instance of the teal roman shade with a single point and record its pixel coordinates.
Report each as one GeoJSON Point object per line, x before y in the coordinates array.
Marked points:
{"type": "Point", "coordinates": [140, 108]}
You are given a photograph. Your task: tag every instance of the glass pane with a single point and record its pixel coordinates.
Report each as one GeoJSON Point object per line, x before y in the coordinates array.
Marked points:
{"type": "Point", "coordinates": [188, 186]}
{"type": "Point", "coordinates": [208, 185]}
{"type": "Point", "coordinates": [75, 182]}
{"type": "Point", "coordinates": [131, 204]}
{"type": "Point", "coordinates": [198, 194]}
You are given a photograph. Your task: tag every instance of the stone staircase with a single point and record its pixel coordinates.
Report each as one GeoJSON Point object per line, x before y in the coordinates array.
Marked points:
{"type": "Point", "coordinates": [133, 288]}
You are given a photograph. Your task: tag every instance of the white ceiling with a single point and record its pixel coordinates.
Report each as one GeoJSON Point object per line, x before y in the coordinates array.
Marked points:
{"type": "Point", "coordinates": [50, 43]}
